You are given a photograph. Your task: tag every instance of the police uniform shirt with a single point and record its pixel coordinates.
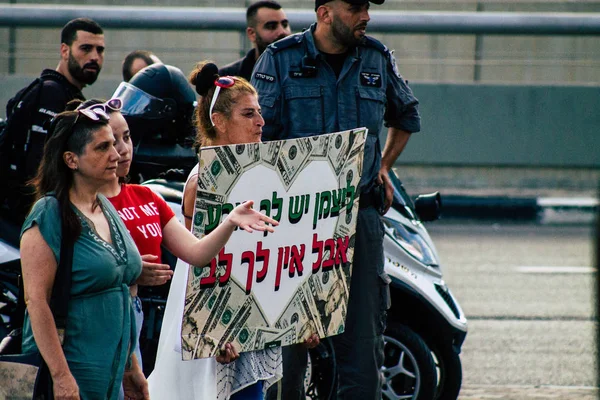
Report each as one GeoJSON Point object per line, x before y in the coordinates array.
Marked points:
{"type": "Point", "coordinates": [301, 96]}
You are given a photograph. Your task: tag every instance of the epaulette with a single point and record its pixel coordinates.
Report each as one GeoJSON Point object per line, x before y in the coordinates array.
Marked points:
{"type": "Point", "coordinates": [376, 44]}
{"type": "Point", "coordinates": [284, 43]}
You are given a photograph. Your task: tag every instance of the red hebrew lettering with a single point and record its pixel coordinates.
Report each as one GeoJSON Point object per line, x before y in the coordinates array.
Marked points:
{"type": "Point", "coordinates": [263, 256]}
{"type": "Point", "coordinates": [296, 261]}
{"type": "Point", "coordinates": [341, 250]}
{"type": "Point", "coordinates": [209, 281]}
{"type": "Point", "coordinates": [317, 247]}
{"type": "Point", "coordinates": [248, 257]}
{"type": "Point", "coordinates": [329, 245]}
{"type": "Point", "coordinates": [279, 267]}
{"type": "Point", "coordinates": [286, 258]}
{"type": "Point", "coordinates": [225, 259]}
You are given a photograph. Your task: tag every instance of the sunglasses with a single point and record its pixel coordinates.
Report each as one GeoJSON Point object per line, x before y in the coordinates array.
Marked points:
{"type": "Point", "coordinates": [95, 112]}
{"type": "Point", "coordinates": [224, 82]}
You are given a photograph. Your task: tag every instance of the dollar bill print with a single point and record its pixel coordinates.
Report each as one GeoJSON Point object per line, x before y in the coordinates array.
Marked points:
{"type": "Point", "coordinates": [341, 145]}
{"type": "Point", "coordinates": [320, 146]}
{"type": "Point", "coordinates": [218, 172]}
{"type": "Point", "coordinates": [301, 313]}
{"type": "Point", "coordinates": [360, 136]}
{"type": "Point", "coordinates": [248, 154]}
{"type": "Point", "coordinates": [268, 337]}
{"type": "Point", "coordinates": [224, 313]}
{"type": "Point", "coordinates": [292, 158]}
{"type": "Point", "coordinates": [204, 196]}
{"type": "Point", "coordinates": [330, 292]}
{"type": "Point", "coordinates": [350, 178]}
{"type": "Point", "coordinates": [270, 153]}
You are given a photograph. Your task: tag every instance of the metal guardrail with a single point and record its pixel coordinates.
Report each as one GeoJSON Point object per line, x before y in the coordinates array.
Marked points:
{"type": "Point", "coordinates": [228, 19]}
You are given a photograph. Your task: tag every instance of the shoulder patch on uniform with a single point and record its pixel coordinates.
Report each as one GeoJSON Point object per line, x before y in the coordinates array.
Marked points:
{"type": "Point", "coordinates": [284, 43]}
{"type": "Point", "coordinates": [264, 77]}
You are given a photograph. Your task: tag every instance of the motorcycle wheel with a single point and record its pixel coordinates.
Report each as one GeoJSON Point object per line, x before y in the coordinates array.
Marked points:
{"type": "Point", "coordinates": [409, 371]}
{"type": "Point", "coordinates": [449, 370]}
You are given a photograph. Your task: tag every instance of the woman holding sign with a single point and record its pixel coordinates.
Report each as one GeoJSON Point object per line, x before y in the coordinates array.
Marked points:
{"type": "Point", "coordinates": [228, 113]}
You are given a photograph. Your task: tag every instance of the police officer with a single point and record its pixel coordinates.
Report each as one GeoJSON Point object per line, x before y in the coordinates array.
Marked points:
{"type": "Point", "coordinates": [343, 79]}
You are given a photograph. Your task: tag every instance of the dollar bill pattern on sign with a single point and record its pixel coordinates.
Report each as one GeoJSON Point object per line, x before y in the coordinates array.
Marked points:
{"type": "Point", "coordinates": [341, 146]}
{"type": "Point", "coordinates": [320, 146]}
{"type": "Point", "coordinates": [227, 316]}
{"type": "Point", "coordinates": [216, 316]}
{"type": "Point", "coordinates": [247, 155]}
{"type": "Point", "coordinates": [302, 314]}
{"type": "Point", "coordinates": [218, 172]}
{"type": "Point", "coordinates": [327, 291]}
{"type": "Point", "coordinates": [270, 153]}
{"type": "Point", "coordinates": [203, 195]}
{"type": "Point", "coordinates": [269, 337]}
{"type": "Point", "coordinates": [292, 158]}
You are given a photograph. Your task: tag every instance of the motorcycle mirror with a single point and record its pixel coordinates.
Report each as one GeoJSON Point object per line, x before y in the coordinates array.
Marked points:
{"type": "Point", "coordinates": [429, 206]}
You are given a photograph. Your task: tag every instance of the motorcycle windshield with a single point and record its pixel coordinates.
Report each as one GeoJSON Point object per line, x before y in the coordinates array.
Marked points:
{"type": "Point", "coordinates": [401, 201]}
{"type": "Point", "coordinates": [137, 103]}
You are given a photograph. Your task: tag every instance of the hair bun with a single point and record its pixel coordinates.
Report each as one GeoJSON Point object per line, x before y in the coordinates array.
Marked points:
{"type": "Point", "coordinates": [206, 78]}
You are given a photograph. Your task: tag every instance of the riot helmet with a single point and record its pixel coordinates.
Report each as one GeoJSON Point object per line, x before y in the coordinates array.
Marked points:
{"type": "Point", "coordinates": [158, 104]}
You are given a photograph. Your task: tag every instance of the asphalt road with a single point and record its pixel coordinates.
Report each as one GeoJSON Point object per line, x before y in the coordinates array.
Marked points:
{"type": "Point", "coordinates": [528, 292]}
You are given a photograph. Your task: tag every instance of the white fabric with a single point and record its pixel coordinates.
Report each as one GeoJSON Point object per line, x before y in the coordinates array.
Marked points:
{"type": "Point", "coordinates": [199, 379]}
{"type": "Point", "coordinates": [173, 378]}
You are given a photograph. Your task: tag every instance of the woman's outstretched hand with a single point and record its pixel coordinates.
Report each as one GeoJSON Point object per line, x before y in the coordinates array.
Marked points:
{"type": "Point", "coordinates": [251, 220]}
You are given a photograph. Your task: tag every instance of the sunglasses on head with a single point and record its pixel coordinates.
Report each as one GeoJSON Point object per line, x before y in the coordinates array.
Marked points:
{"type": "Point", "coordinates": [99, 111]}
{"type": "Point", "coordinates": [223, 82]}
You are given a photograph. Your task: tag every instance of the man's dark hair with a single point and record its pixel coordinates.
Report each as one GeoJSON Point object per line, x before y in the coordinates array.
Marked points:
{"type": "Point", "coordinates": [254, 7]}
{"type": "Point", "coordinates": [69, 31]}
{"type": "Point", "coordinates": [131, 57]}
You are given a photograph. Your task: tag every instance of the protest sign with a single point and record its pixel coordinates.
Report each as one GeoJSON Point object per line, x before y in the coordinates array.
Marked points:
{"type": "Point", "coordinates": [275, 289]}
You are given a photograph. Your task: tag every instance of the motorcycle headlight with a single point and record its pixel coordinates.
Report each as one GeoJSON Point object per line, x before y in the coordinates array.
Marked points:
{"type": "Point", "coordinates": [411, 241]}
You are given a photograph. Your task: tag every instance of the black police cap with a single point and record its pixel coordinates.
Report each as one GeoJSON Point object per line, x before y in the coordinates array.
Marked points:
{"type": "Point", "coordinates": [319, 3]}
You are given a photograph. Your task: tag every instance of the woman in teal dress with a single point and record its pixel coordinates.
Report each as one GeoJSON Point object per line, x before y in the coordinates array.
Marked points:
{"type": "Point", "coordinates": [96, 355]}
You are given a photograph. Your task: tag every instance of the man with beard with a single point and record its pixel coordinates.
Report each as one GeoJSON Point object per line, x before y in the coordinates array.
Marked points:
{"type": "Point", "coordinates": [344, 79]}
{"type": "Point", "coordinates": [32, 109]}
{"type": "Point", "coordinates": [266, 23]}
